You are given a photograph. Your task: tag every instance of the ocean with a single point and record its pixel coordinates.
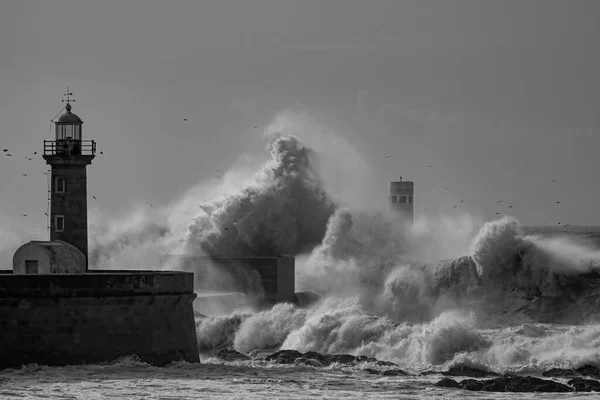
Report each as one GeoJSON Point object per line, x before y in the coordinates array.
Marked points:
{"type": "Point", "coordinates": [418, 302]}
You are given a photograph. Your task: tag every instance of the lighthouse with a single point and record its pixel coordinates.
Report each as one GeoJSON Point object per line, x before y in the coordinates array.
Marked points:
{"type": "Point", "coordinates": [68, 156]}
{"type": "Point", "coordinates": [57, 312]}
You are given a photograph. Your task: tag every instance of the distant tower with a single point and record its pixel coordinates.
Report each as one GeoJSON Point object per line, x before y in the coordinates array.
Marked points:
{"type": "Point", "coordinates": [68, 156]}
{"type": "Point", "coordinates": [402, 198]}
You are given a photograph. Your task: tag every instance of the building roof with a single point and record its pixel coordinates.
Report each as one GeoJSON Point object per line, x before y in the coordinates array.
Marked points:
{"type": "Point", "coordinates": [68, 117]}
{"type": "Point", "coordinates": [59, 251]}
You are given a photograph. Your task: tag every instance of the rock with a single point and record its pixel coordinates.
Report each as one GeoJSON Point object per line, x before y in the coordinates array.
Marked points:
{"type": "Point", "coordinates": [560, 373]}
{"type": "Point", "coordinates": [389, 372]}
{"type": "Point", "coordinates": [386, 364]}
{"type": "Point", "coordinates": [450, 383]}
{"type": "Point", "coordinates": [308, 361]}
{"type": "Point", "coordinates": [284, 356]}
{"type": "Point", "coordinates": [472, 384]}
{"type": "Point", "coordinates": [585, 385]}
{"type": "Point", "coordinates": [343, 358]}
{"type": "Point", "coordinates": [291, 357]}
{"type": "Point", "coordinates": [360, 359]}
{"type": "Point", "coordinates": [232, 355]}
{"type": "Point", "coordinates": [586, 370]}
{"type": "Point", "coordinates": [394, 372]}
{"type": "Point", "coordinates": [425, 373]}
{"type": "Point", "coordinates": [468, 371]}
{"type": "Point", "coordinates": [295, 357]}
{"type": "Point", "coordinates": [589, 370]}
{"type": "Point", "coordinates": [313, 355]}
{"type": "Point", "coordinates": [508, 384]}
{"type": "Point", "coordinates": [372, 371]}
{"type": "Point", "coordinates": [524, 384]}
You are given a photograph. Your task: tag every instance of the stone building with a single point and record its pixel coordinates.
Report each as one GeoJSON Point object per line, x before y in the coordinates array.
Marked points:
{"type": "Point", "coordinates": [48, 257]}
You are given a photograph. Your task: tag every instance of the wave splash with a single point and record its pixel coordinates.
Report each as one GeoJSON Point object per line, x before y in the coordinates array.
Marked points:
{"type": "Point", "coordinates": [444, 290]}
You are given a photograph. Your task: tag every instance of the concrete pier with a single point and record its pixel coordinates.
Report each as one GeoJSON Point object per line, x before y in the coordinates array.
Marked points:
{"type": "Point", "coordinates": [63, 319]}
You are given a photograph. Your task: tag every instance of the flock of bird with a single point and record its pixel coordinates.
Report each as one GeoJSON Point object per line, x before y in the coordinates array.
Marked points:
{"type": "Point", "coordinates": [218, 175]}
{"type": "Point", "coordinates": [498, 202]}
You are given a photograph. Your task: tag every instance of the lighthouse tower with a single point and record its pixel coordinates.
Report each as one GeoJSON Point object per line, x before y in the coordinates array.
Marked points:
{"type": "Point", "coordinates": [401, 198]}
{"type": "Point", "coordinates": [68, 156]}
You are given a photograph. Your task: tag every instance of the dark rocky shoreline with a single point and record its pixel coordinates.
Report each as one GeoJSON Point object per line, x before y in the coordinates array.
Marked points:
{"type": "Point", "coordinates": [583, 379]}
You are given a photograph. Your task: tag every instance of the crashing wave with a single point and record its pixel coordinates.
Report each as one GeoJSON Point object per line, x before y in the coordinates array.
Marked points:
{"type": "Point", "coordinates": [403, 305]}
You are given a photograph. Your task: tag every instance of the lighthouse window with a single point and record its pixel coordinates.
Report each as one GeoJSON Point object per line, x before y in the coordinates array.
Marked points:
{"type": "Point", "coordinates": [394, 199]}
{"type": "Point", "coordinates": [59, 185]}
{"type": "Point", "coordinates": [409, 199]}
{"type": "Point", "coordinates": [59, 223]}
{"type": "Point", "coordinates": [68, 132]}
{"type": "Point", "coordinates": [402, 199]}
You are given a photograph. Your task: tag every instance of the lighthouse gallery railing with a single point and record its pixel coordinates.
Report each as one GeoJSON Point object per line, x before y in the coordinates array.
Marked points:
{"type": "Point", "coordinates": [67, 147]}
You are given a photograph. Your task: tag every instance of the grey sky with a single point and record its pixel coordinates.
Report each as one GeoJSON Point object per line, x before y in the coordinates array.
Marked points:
{"type": "Point", "coordinates": [498, 96]}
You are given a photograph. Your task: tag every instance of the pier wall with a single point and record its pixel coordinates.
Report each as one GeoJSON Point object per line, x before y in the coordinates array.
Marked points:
{"type": "Point", "coordinates": [63, 319]}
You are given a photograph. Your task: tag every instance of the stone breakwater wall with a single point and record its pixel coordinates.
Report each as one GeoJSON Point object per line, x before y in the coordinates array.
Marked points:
{"type": "Point", "coordinates": [65, 319]}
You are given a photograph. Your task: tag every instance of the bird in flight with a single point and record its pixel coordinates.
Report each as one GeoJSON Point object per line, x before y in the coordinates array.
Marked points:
{"type": "Point", "coordinates": [454, 206]}
{"type": "Point", "coordinates": [24, 174]}
{"type": "Point", "coordinates": [29, 158]}
{"type": "Point", "coordinates": [497, 213]}
{"type": "Point", "coordinates": [94, 197]}
{"type": "Point", "coordinates": [8, 155]}
{"type": "Point", "coordinates": [34, 153]}
{"type": "Point", "coordinates": [552, 180]}
{"type": "Point", "coordinates": [567, 225]}
{"type": "Point", "coordinates": [388, 156]}
{"type": "Point", "coordinates": [461, 201]}
{"type": "Point", "coordinates": [499, 201]}
{"type": "Point", "coordinates": [5, 150]}
{"type": "Point", "coordinates": [24, 215]}
{"type": "Point", "coordinates": [510, 206]}
{"type": "Point", "coordinates": [558, 202]}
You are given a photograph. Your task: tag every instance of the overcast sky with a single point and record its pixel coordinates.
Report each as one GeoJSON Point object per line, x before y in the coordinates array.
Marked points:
{"type": "Point", "coordinates": [499, 97]}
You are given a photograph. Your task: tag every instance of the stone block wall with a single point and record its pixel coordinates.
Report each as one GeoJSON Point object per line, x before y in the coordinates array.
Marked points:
{"type": "Point", "coordinates": [141, 314]}
{"type": "Point", "coordinates": [72, 204]}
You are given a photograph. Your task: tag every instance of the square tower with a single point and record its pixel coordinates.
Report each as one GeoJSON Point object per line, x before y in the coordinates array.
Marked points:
{"type": "Point", "coordinates": [402, 198]}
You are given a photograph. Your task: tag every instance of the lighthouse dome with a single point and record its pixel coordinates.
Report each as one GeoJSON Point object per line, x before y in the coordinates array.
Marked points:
{"type": "Point", "coordinates": [68, 117]}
